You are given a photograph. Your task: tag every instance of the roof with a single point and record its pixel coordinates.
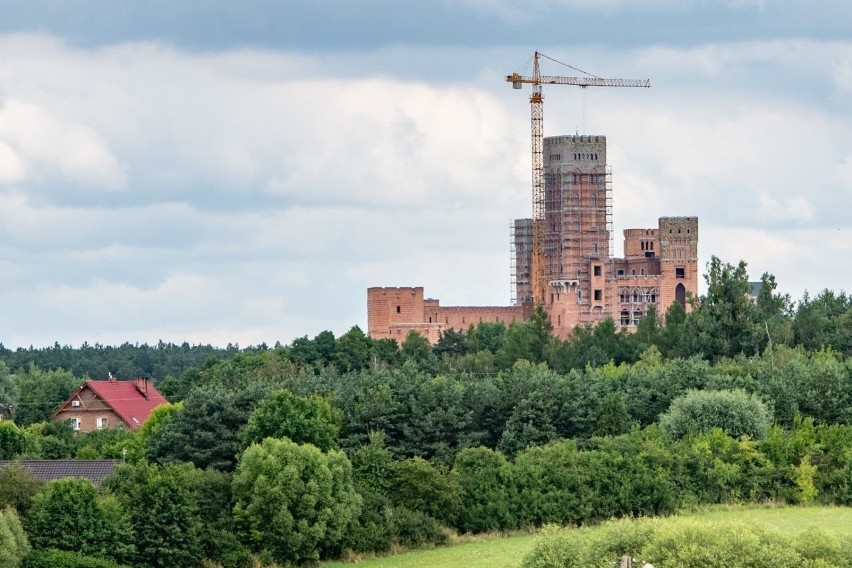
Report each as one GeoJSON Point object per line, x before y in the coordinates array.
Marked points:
{"type": "Point", "coordinates": [128, 402]}
{"type": "Point", "coordinates": [49, 470]}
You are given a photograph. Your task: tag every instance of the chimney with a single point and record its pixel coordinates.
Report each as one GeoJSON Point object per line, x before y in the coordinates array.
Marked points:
{"type": "Point", "coordinates": [142, 386]}
{"type": "Point", "coordinates": [112, 379]}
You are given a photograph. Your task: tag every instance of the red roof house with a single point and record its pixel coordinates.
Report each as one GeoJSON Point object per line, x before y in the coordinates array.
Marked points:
{"type": "Point", "coordinates": [110, 404]}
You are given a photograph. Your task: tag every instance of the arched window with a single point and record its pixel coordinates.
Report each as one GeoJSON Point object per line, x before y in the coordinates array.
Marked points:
{"type": "Point", "coordinates": [680, 294]}
{"type": "Point", "coordinates": [625, 317]}
{"type": "Point", "coordinates": [637, 317]}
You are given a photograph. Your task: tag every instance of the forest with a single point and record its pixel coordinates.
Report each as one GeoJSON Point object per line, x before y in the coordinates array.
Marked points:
{"type": "Point", "coordinates": [330, 446]}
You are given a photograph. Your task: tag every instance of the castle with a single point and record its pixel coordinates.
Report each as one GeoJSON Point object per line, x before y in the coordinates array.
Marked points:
{"type": "Point", "coordinates": [584, 283]}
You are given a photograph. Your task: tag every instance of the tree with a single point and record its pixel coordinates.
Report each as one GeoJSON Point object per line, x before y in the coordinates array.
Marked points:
{"type": "Point", "coordinates": [304, 420]}
{"type": "Point", "coordinates": [12, 440]}
{"type": "Point", "coordinates": [8, 393]}
{"type": "Point", "coordinates": [69, 515]}
{"type": "Point", "coordinates": [416, 347]}
{"type": "Point", "coordinates": [372, 466]}
{"type": "Point", "coordinates": [206, 430]}
{"type": "Point", "coordinates": [18, 487]}
{"type": "Point", "coordinates": [733, 411]}
{"type": "Point", "coordinates": [451, 343]}
{"type": "Point", "coordinates": [353, 350]}
{"type": "Point", "coordinates": [41, 392]}
{"type": "Point", "coordinates": [485, 480]}
{"type": "Point", "coordinates": [14, 545]}
{"type": "Point", "coordinates": [419, 486]}
{"type": "Point", "coordinates": [294, 502]}
{"type": "Point", "coordinates": [163, 512]}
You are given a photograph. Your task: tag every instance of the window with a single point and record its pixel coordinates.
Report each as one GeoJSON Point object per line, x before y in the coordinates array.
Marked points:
{"type": "Point", "coordinates": [620, 272]}
{"type": "Point", "coordinates": [642, 272]}
{"type": "Point", "coordinates": [680, 273]}
{"type": "Point", "coordinates": [75, 424]}
{"type": "Point", "coordinates": [597, 270]}
{"type": "Point", "coordinates": [397, 309]}
{"type": "Point", "coordinates": [625, 317]}
{"type": "Point", "coordinates": [102, 423]}
{"type": "Point", "coordinates": [598, 295]}
{"type": "Point", "coordinates": [637, 317]}
{"type": "Point", "coordinates": [594, 248]}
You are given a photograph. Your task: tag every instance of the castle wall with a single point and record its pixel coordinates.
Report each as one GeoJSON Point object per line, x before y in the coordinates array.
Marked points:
{"type": "Point", "coordinates": [584, 284]}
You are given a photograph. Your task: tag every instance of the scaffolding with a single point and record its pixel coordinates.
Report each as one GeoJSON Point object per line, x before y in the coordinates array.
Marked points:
{"type": "Point", "coordinates": [521, 235]}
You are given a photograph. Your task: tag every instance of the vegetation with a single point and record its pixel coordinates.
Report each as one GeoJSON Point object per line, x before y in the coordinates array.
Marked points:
{"type": "Point", "coordinates": [338, 445]}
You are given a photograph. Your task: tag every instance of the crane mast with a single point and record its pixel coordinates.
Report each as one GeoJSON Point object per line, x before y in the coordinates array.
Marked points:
{"type": "Point", "coordinates": [537, 275]}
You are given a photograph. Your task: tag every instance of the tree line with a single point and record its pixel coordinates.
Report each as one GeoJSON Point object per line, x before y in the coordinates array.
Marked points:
{"type": "Point", "coordinates": [300, 452]}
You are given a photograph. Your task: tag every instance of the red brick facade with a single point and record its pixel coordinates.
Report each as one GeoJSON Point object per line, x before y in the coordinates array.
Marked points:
{"type": "Point", "coordinates": [584, 283]}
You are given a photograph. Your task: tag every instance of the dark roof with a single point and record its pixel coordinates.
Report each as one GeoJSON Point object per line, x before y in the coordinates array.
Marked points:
{"type": "Point", "coordinates": [48, 470]}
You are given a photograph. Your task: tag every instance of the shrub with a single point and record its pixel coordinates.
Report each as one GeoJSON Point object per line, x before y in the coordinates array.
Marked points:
{"type": "Point", "coordinates": [14, 545]}
{"type": "Point", "coordinates": [65, 559]}
{"type": "Point", "coordinates": [294, 501]}
{"type": "Point", "coordinates": [733, 411]}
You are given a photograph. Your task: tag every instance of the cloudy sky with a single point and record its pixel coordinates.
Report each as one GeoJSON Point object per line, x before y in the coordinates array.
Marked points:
{"type": "Point", "coordinates": [215, 172]}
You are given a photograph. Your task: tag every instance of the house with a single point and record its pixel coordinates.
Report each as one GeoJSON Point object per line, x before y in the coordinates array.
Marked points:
{"type": "Point", "coordinates": [110, 404]}
{"type": "Point", "coordinates": [49, 470]}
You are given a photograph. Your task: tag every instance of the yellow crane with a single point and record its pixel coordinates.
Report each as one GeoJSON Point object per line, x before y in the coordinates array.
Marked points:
{"type": "Point", "coordinates": [537, 121]}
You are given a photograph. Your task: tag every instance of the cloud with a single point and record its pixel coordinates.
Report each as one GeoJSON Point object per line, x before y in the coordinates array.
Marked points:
{"type": "Point", "coordinates": [148, 192]}
{"type": "Point", "coordinates": [54, 148]}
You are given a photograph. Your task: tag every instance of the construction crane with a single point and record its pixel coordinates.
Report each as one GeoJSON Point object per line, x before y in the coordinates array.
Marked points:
{"type": "Point", "coordinates": [537, 121]}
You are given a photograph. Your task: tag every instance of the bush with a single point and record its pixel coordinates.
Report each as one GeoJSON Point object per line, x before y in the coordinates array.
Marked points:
{"type": "Point", "coordinates": [14, 545]}
{"type": "Point", "coordinates": [413, 528]}
{"type": "Point", "coordinates": [69, 515]}
{"type": "Point", "coordinates": [735, 412]}
{"type": "Point", "coordinates": [293, 501]}
{"type": "Point", "coordinates": [685, 543]}
{"type": "Point", "coordinates": [65, 559]}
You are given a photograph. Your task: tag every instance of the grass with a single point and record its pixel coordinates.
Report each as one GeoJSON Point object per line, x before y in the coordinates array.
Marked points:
{"type": "Point", "coordinates": [508, 552]}
{"type": "Point", "coordinates": [471, 552]}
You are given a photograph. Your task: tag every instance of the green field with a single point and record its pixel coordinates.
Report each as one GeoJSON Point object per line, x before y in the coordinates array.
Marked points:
{"type": "Point", "coordinates": [508, 552]}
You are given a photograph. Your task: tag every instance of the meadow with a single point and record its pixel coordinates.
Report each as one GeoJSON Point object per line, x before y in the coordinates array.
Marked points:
{"type": "Point", "coordinates": [508, 552]}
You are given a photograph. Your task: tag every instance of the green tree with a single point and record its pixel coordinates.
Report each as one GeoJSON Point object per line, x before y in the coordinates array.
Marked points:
{"type": "Point", "coordinates": [372, 466]}
{"type": "Point", "coordinates": [485, 480]}
{"type": "Point", "coordinates": [12, 440]}
{"type": "Point", "coordinates": [420, 486]}
{"type": "Point", "coordinates": [353, 350]}
{"type": "Point", "coordinates": [14, 545]}
{"type": "Point", "coordinates": [163, 510]}
{"type": "Point", "coordinates": [417, 348]}
{"type": "Point", "coordinates": [735, 412]}
{"type": "Point", "coordinates": [304, 420]}
{"type": "Point", "coordinates": [452, 343]}
{"type": "Point", "coordinates": [18, 487]}
{"type": "Point", "coordinates": [206, 430]}
{"type": "Point", "coordinates": [8, 393]}
{"type": "Point", "coordinates": [41, 392]}
{"type": "Point", "coordinates": [293, 501]}
{"type": "Point", "coordinates": [612, 417]}
{"type": "Point", "coordinates": [69, 515]}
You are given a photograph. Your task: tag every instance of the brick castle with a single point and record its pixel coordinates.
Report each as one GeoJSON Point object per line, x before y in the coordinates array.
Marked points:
{"type": "Point", "coordinates": [584, 283]}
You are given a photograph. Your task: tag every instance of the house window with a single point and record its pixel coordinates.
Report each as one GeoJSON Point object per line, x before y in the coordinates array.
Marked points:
{"type": "Point", "coordinates": [75, 424]}
{"type": "Point", "coordinates": [102, 423]}
{"type": "Point", "coordinates": [597, 270]}
{"type": "Point", "coordinates": [680, 273]}
{"type": "Point", "coordinates": [625, 317]}
{"type": "Point", "coordinates": [598, 295]}
{"type": "Point", "coordinates": [397, 309]}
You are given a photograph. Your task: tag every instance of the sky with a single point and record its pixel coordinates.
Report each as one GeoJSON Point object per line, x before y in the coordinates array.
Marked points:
{"type": "Point", "coordinates": [241, 172]}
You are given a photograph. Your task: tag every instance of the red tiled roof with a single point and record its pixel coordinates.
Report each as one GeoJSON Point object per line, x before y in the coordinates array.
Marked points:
{"type": "Point", "coordinates": [126, 400]}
